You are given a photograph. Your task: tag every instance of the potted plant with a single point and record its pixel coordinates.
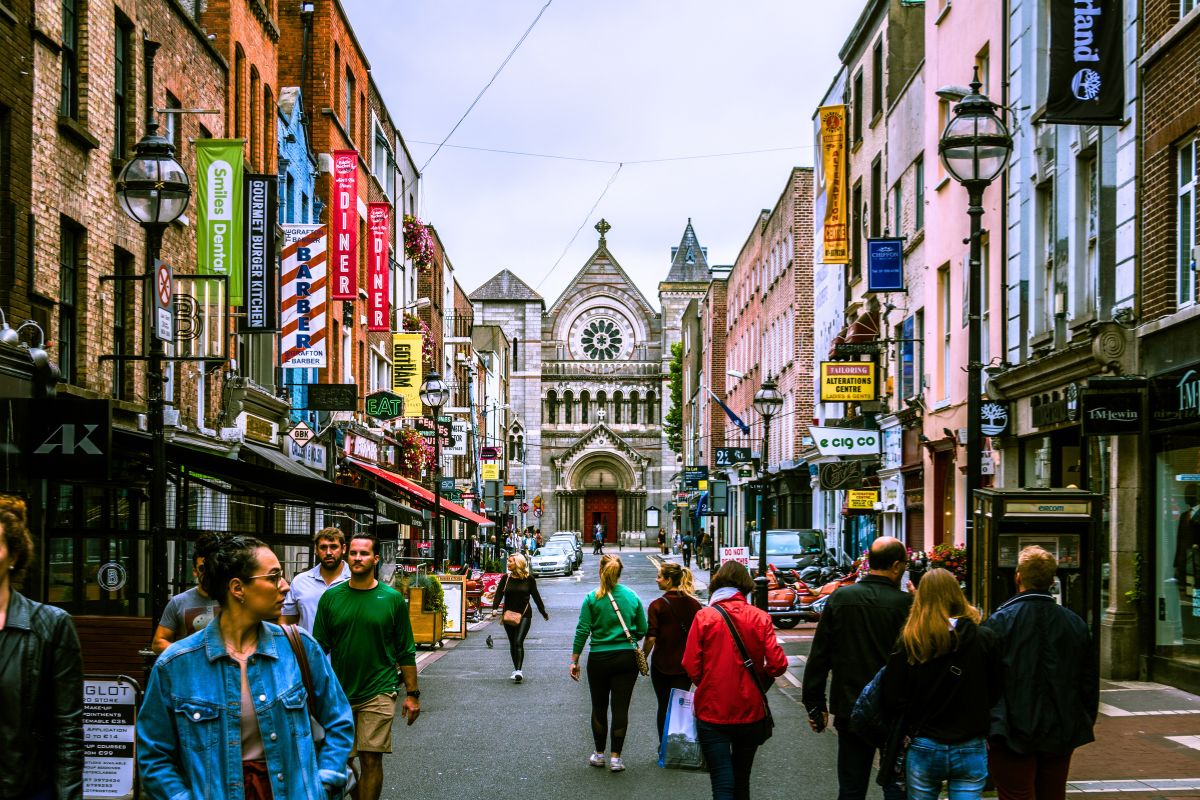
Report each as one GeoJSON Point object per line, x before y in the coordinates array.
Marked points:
{"type": "Point", "coordinates": [949, 557]}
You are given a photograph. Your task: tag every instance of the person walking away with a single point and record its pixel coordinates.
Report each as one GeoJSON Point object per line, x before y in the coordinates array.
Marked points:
{"type": "Point", "coordinates": [597, 540]}
{"type": "Point", "coordinates": [611, 616]}
{"type": "Point", "coordinates": [669, 619]}
{"type": "Point", "coordinates": [854, 638]}
{"type": "Point", "coordinates": [675, 543]}
{"type": "Point", "coordinates": [732, 718]}
{"type": "Point", "coordinates": [300, 606]}
{"type": "Point", "coordinates": [41, 679]}
{"type": "Point", "coordinates": [364, 626]}
{"type": "Point", "coordinates": [662, 542]}
{"type": "Point", "coordinates": [223, 716]}
{"type": "Point", "coordinates": [689, 542]}
{"type": "Point", "coordinates": [1047, 653]}
{"type": "Point", "coordinates": [188, 611]}
{"type": "Point", "coordinates": [515, 591]}
{"type": "Point", "coordinates": [942, 680]}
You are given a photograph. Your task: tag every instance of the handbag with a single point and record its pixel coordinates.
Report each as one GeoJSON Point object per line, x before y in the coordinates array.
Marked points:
{"type": "Point", "coordinates": [643, 665]}
{"type": "Point", "coordinates": [893, 754]}
{"type": "Point", "coordinates": [512, 618]}
{"type": "Point", "coordinates": [767, 725]}
{"type": "Point", "coordinates": [318, 731]}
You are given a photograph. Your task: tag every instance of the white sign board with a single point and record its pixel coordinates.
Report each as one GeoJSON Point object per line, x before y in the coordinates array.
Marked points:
{"type": "Point", "coordinates": [738, 554]}
{"type": "Point", "coordinates": [313, 455]}
{"type": "Point", "coordinates": [109, 716]}
{"type": "Point", "coordinates": [458, 439]}
{"type": "Point", "coordinates": [164, 309]}
{"type": "Point", "coordinates": [845, 441]}
{"type": "Point", "coordinates": [301, 434]}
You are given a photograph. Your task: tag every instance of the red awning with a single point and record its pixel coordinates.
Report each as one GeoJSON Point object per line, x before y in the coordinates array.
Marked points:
{"type": "Point", "coordinates": [864, 329]}
{"type": "Point", "coordinates": [421, 493]}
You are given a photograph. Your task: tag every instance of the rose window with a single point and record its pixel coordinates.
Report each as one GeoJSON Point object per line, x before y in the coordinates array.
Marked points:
{"type": "Point", "coordinates": [601, 340]}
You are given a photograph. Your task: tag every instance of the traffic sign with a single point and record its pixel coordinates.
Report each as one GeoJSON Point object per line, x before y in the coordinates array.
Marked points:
{"type": "Point", "coordinates": [537, 512]}
{"type": "Point", "coordinates": [524, 507]}
{"type": "Point", "coordinates": [301, 434]}
{"type": "Point", "coordinates": [164, 311]}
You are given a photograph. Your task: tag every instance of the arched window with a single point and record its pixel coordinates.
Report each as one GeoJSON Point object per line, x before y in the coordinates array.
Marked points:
{"type": "Point", "coordinates": [239, 95]}
{"type": "Point", "coordinates": [651, 411]}
{"type": "Point", "coordinates": [585, 398]}
{"type": "Point", "coordinates": [601, 405]}
{"type": "Point", "coordinates": [568, 406]}
{"type": "Point", "coordinates": [634, 399]}
{"type": "Point", "coordinates": [618, 401]}
{"type": "Point", "coordinates": [252, 154]}
{"type": "Point", "coordinates": [512, 448]}
{"type": "Point", "coordinates": [268, 123]}
{"type": "Point", "coordinates": [552, 407]}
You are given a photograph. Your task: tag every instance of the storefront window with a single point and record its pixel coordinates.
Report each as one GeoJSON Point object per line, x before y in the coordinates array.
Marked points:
{"type": "Point", "coordinates": [1177, 577]}
{"type": "Point", "coordinates": [1099, 476]}
{"type": "Point", "coordinates": [61, 587]}
{"type": "Point", "coordinates": [109, 573]}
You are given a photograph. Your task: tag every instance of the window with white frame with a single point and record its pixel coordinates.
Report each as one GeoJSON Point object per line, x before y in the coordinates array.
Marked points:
{"type": "Point", "coordinates": [1089, 281]}
{"type": "Point", "coordinates": [944, 324]}
{"type": "Point", "coordinates": [1044, 256]}
{"type": "Point", "coordinates": [1186, 224]}
{"type": "Point", "coordinates": [1187, 5]}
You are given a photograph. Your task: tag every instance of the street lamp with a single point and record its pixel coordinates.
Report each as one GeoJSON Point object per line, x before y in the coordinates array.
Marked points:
{"type": "Point", "coordinates": [974, 148]}
{"type": "Point", "coordinates": [153, 190]}
{"type": "Point", "coordinates": [767, 402]}
{"type": "Point", "coordinates": [435, 393]}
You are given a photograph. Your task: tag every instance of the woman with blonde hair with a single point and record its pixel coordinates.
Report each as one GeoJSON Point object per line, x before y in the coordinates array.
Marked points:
{"type": "Point", "coordinates": [613, 617]}
{"type": "Point", "coordinates": [515, 591]}
{"type": "Point", "coordinates": [943, 680]}
{"type": "Point", "coordinates": [670, 618]}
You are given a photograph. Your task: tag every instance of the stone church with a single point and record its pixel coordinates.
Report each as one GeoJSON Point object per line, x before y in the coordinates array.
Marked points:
{"type": "Point", "coordinates": [589, 386]}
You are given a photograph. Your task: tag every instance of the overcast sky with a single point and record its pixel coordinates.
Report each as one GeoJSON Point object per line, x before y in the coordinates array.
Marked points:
{"type": "Point", "coordinates": [616, 81]}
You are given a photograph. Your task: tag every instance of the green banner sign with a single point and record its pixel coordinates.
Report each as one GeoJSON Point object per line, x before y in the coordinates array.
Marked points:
{"type": "Point", "coordinates": [219, 211]}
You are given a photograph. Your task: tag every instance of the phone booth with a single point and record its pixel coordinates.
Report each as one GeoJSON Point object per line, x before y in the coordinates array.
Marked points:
{"type": "Point", "coordinates": [1063, 521]}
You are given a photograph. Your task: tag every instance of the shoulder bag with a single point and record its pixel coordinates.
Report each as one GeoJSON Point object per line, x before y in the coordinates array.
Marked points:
{"type": "Point", "coordinates": [512, 618]}
{"type": "Point", "coordinates": [318, 731]}
{"type": "Point", "coordinates": [643, 665]}
{"type": "Point", "coordinates": [893, 756]}
{"type": "Point", "coordinates": [767, 725]}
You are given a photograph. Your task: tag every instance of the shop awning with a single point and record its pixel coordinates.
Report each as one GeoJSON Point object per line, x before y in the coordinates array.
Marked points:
{"type": "Point", "coordinates": [277, 458]}
{"type": "Point", "coordinates": [421, 493]}
{"type": "Point", "coordinates": [864, 329]}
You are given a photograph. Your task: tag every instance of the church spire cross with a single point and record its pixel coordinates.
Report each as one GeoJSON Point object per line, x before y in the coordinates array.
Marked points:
{"type": "Point", "coordinates": [604, 228]}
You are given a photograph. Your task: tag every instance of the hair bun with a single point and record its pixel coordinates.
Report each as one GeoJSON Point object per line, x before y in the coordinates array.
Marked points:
{"type": "Point", "coordinates": [15, 506]}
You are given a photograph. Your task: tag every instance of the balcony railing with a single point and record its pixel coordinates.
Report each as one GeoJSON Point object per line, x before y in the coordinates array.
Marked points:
{"type": "Point", "coordinates": [570, 369]}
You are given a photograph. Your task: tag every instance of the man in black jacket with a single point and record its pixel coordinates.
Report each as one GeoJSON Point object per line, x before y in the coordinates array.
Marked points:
{"type": "Point", "coordinates": [854, 638]}
{"type": "Point", "coordinates": [1047, 653]}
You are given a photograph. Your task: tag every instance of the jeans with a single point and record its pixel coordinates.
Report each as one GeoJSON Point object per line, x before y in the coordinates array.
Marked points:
{"type": "Point", "coordinates": [854, 760]}
{"type": "Point", "coordinates": [611, 676]}
{"type": "Point", "coordinates": [962, 766]}
{"type": "Point", "coordinates": [663, 684]}
{"type": "Point", "coordinates": [1026, 777]}
{"type": "Point", "coordinates": [729, 752]}
{"type": "Point", "coordinates": [516, 640]}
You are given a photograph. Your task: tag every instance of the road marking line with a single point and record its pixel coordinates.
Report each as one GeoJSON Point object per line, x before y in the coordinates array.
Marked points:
{"type": "Point", "coordinates": [1112, 711]}
{"type": "Point", "coordinates": [1134, 786]}
{"type": "Point", "coordinates": [792, 679]}
{"type": "Point", "coordinates": [1187, 741]}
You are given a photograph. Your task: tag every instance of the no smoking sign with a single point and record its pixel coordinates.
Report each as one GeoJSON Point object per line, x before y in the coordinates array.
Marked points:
{"type": "Point", "coordinates": [164, 318]}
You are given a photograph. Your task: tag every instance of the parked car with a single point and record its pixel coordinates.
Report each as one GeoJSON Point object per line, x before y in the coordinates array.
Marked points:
{"type": "Point", "coordinates": [552, 558]}
{"type": "Point", "coordinates": [572, 540]}
{"type": "Point", "coordinates": [794, 548]}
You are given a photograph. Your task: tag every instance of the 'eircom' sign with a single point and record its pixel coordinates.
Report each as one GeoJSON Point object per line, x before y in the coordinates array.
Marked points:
{"type": "Point", "coordinates": [847, 381]}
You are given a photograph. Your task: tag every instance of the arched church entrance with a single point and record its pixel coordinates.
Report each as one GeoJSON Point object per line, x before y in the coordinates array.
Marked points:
{"type": "Point", "coordinates": [601, 492]}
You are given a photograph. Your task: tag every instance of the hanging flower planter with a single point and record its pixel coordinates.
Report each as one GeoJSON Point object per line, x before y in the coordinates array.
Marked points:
{"type": "Point", "coordinates": [950, 558]}
{"type": "Point", "coordinates": [418, 243]}
{"type": "Point", "coordinates": [414, 455]}
{"type": "Point", "coordinates": [414, 324]}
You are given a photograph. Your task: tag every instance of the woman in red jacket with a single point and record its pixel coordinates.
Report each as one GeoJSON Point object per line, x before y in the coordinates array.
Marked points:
{"type": "Point", "coordinates": [732, 717]}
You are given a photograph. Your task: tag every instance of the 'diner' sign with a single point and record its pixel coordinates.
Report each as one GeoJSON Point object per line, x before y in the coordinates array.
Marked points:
{"type": "Point", "coordinates": [847, 381]}
{"type": "Point", "coordinates": [302, 297]}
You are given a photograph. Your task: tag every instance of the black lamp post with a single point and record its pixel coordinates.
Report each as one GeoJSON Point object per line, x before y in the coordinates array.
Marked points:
{"type": "Point", "coordinates": [435, 393]}
{"type": "Point", "coordinates": [974, 148]}
{"type": "Point", "coordinates": [767, 402]}
{"type": "Point", "coordinates": [153, 190]}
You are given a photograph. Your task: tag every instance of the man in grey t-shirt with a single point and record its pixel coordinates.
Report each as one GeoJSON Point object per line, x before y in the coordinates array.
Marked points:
{"type": "Point", "coordinates": [187, 612]}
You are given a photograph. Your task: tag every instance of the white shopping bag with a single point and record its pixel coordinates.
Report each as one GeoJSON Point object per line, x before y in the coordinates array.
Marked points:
{"type": "Point", "coordinates": [680, 748]}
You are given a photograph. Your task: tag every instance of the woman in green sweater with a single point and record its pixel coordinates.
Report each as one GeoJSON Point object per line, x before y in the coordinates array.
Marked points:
{"type": "Point", "coordinates": [615, 619]}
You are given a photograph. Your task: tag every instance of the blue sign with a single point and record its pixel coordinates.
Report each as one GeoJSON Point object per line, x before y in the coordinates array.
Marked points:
{"type": "Point", "coordinates": [885, 265]}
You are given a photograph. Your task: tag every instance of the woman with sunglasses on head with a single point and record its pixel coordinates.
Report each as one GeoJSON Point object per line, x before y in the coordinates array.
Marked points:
{"type": "Point", "coordinates": [234, 694]}
{"type": "Point", "coordinates": [670, 618]}
{"type": "Point", "coordinates": [515, 592]}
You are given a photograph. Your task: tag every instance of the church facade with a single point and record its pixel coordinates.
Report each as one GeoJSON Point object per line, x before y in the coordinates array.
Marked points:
{"type": "Point", "coordinates": [589, 390]}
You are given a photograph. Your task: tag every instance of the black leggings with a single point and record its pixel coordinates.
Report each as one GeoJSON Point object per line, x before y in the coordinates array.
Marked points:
{"type": "Point", "coordinates": [663, 684]}
{"type": "Point", "coordinates": [516, 640]}
{"type": "Point", "coordinates": [611, 672]}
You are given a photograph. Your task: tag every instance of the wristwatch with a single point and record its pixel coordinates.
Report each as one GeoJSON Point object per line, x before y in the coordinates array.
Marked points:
{"type": "Point", "coordinates": [414, 694]}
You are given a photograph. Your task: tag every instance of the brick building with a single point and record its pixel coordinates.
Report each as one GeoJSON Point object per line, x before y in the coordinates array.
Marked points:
{"type": "Point", "coordinates": [16, 159]}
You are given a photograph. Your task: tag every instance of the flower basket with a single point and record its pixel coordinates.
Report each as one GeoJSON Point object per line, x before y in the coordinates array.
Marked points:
{"type": "Point", "coordinates": [950, 558]}
{"type": "Point", "coordinates": [414, 455]}
{"type": "Point", "coordinates": [414, 324]}
{"type": "Point", "coordinates": [418, 244]}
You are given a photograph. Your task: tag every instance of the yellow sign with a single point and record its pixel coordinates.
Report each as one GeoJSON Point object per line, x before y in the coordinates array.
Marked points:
{"type": "Point", "coordinates": [490, 472]}
{"type": "Point", "coordinates": [406, 371]}
{"type": "Point", "coordinates": [861, 499]}
{"type": "Point", "coordinates": [833, 167]}
{"type": "Point", "coordinates": [847, 381]}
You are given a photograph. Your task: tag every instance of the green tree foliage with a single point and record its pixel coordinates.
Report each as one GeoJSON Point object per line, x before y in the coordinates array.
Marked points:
{"type": "Point", "coordinates": [673, 426]}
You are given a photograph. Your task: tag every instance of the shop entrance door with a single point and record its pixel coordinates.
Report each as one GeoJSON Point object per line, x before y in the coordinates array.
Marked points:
{"type": "Point", "coordinates": [601, 507]}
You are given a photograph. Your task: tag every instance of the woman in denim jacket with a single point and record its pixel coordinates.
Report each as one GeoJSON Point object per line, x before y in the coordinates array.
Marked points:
{"type": "Point", "coordinates": [226, 713]}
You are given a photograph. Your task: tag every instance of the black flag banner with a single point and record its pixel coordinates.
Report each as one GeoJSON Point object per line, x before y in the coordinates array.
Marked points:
{"type": "Point", "coordinates": [1087, 84]}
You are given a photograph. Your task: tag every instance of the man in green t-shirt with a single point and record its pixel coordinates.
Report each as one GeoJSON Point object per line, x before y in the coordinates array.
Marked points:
{"type": "Point", "coordinates": [363, 625]}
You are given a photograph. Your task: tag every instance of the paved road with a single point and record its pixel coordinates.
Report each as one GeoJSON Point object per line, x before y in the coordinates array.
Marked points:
{"type": "Point", "coordinates": [482, 736]}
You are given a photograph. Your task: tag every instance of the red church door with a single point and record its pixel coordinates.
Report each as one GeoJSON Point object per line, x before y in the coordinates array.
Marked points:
{"type": "Point", "coordinates": [601, 507]}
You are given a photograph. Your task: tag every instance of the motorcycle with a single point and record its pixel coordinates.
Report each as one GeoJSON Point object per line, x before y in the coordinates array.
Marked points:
{"type": "Point", "coordinates": [792, 600]}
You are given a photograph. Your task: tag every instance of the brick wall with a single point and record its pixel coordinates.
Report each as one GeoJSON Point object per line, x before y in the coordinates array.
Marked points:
{"type": "Point", "coordinates": [743, 317]}
{"type": "Point", "coordinates": [16, 102]}
{"type": "Point", "coordinates": [714, 334]}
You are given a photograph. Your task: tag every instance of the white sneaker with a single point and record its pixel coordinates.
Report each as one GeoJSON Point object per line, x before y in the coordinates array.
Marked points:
{"type": "Point", "coordinates": [597, 760]}
{"type": "Point", "coordinates": [517, 676]}
{"type": "Point", "coordinates": [616, 764]}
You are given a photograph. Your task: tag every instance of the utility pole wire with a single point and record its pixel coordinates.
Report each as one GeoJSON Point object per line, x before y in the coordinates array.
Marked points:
{"type": "Point", "coordinates": [487, 86]}
{"type": "Point", "coordinates": [563, 255]}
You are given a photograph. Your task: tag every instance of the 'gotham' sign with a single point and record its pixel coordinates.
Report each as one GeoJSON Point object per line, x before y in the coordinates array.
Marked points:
{"type": "Point", "coordinates": [1087, 85]}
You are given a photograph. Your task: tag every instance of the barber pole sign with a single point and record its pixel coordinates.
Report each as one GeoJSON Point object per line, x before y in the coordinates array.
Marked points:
{"type": "Point", "coordinates": [343, 218]}
{"type": "Point", "coordinates": [302, 297]}
{"type": "Point", "coordinates": [379, 218]}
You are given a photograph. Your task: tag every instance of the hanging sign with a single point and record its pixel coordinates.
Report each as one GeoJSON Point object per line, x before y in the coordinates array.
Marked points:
{"type": "Point", "coordinates": [379, 220]}
{"type": "Point", "coordinates": [458, 439]}
{"type": "Point", "coordinates": [833, 168]}
{"type": "Point", "coordinates": [343, 218]}
{"type": "Point", "coordinates": [862, 499]}
{"type": "Point", "coordinates": [1087, 64]}
{"type": "Point", "coordinates": [302, 297]}
{"type": "Point", "coordinates": [261, 314]}
{"type": "Point", "coordinates": [489, 471]}
{"type": "Point", "coordinates": [845, 441]}
{"type": "Point", "coordinates": [1111, 413]}
{"type": "Point", "coordinates": [847, 381]}
{"type": "Point", "coordinates": [406, 370]}
{"type": "Point", "coordinates": [885, 265]}
{"type": "Point", "coordinates": [164, 303]}
{"type": "Point", "coordinates": [993, 418]}
{"type": "Point", "coordinates": [330, 397]}
{"type": "Point", "coordinates": [384, 405]}
{"type": "Point", "coordinates": [219, 211]}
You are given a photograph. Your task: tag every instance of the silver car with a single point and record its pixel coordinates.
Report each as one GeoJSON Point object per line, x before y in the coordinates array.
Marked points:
{"type": "Point", "coordinates": [552, 558]}
{"type": "Point", "coordinates": [572, 542]}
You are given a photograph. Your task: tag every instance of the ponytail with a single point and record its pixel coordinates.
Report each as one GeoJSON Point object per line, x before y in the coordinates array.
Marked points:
{"type": "Point", "coordinates": [610, 573]}
{"type": "Point", "coordinates": [679, 578]}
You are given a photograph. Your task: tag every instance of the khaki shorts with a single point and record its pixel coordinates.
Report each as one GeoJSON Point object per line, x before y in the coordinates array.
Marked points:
{"type": "Point", "coordinates": [373, 724]}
